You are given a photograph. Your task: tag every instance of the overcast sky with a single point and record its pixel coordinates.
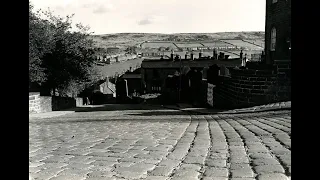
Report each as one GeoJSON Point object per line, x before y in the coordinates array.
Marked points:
{"type": "Point", "coordinates": [162, 16]}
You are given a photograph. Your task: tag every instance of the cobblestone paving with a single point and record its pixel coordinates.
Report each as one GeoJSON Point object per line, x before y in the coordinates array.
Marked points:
{"type": "Point", "coordinates": [149, 145]}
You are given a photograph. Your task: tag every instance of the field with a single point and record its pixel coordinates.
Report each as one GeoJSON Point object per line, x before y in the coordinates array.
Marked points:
{"type": "Point", "coordinates": [189, 45]}
{"type": "Point", "coordinates": [259, 42]}
{"type": "Point", "coordinates": [241, 43]}
{"type": "Point", "coordinates": [157, 45]}
{"type": "Point", "coordinates": [229, 43]}
{"type": "Point", "coordinates": [184, 40]}
{"type": "Point", "coordinates": [118, 68]}
{"type": "Point", "coordinates": [124, 40]}
{"type": "Point", "coordinates": [217, 44]}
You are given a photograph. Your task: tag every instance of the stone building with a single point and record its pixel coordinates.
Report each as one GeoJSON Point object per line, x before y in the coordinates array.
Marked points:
{"type": "Point", "coordinates": [163, 75]}
{"type": "Point", "coordinates": [278, 30]}
{"type": "Point", "coordinates": [265, 82]}
{"type": "Point", "coordinates": [113, 50]}
{"type": "Point", "coordinates": [129, 85]}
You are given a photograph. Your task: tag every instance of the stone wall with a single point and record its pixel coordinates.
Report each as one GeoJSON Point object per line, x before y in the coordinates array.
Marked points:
{"type": "Point", "coordinates": [46, 103]}
{"type": "Point", "coordinates": [40, 104]}
{"type": "Point", "coordinates": [282, 87]}
{"type": "Point", "coordinates": [249, 87]}
{"type": "Point", "coordinates": [210, 94]}
{"type": "Point", "coordinates": [79, 101]}
{"type": "Point", "coordinates": [34, 103]}
{"type": "Point", "coordinates": [60, 103]}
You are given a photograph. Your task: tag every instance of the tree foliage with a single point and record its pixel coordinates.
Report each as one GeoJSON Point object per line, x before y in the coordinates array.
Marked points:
{"type": "Point", "coordinates": [59, 58]}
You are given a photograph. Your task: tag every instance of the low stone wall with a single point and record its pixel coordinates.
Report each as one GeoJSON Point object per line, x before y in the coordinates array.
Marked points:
{"type": "Point", "coordinates": [60, 103]}
{"type": "Point", "coordinates": [249, 87]}
{"type": "Point", "coordinates": [34, 103]}
{"type": "Point", "coordinates": [46, 103]}
{"type": "Point", "coordinates": [40, 104]}
{"type": "Point", "coordinates": [282, 87]}
{"type": "Point", "coordinates": [79, 101]}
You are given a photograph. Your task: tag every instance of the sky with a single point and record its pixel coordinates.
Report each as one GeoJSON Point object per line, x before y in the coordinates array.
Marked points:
{"type": "Point", "coordinates": [161, 16]}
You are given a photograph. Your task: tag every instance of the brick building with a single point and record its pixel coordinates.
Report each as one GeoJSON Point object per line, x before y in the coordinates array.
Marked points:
{"type": "Point", "coordinates": [278, 30]}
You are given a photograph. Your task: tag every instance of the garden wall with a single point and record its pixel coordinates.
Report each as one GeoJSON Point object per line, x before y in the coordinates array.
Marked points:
{"type": "Point", "coordinates": [250, 87]}
{"type": "Point", "coordinates": [40, 104]}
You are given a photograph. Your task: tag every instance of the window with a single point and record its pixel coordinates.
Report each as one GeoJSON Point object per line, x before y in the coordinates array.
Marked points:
{"type": "Point", "coordinates": [273, 39]}
{"type": "Point", "coordinates": [274, 1]}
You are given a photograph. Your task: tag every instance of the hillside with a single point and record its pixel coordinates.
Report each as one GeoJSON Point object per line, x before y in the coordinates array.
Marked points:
{"type": "Point", "coordinates": [124, 40]}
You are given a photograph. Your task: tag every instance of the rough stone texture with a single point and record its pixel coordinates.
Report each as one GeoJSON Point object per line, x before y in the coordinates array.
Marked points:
{"type": "Point", "coordinates": [118, 145]}
{"type": "Point", "coordinates": [273, 176]}
{"type": "Point", "coordinates": [156, 178]}
{"type": "Point", "coordinates": [42, 104]}
{"type": "Point", "coordinates": [269, 169]}
{"type": "Point", "coordinates": [250, 87]}
{"type": "Point", "coordinates": [216, 172]}
{"type": "Point", "coordinates": [161, 171]}
{"type": "Point", "coordinates": [34, 103]}
{"type": "Point", "coordinates": [216, 163]}
{"type": "Point", "coordinates": [243, 172]}
{"type": "Point", "coordinates": [214, 178]}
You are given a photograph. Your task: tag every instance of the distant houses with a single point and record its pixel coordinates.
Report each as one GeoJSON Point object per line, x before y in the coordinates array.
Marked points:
{"type": "Point", "coordinates": [113, 58]}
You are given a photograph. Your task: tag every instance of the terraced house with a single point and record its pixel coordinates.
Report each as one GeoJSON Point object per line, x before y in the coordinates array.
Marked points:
{"type": "Point", "coordinates": [278, 30]}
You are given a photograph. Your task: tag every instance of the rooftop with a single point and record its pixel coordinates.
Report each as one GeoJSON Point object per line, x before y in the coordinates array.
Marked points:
{"type": "Point", "coordinates": [167, 63]}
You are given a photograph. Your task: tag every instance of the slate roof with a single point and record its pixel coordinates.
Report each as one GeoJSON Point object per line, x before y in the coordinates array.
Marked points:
{"type": "Point", "coordinates": [195, 63]}
{"type": "Point", "coordinates": [131, 76]}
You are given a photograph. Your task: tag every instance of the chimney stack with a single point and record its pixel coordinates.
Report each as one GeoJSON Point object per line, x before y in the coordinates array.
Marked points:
{"type": "Point", "coordinates": [221, 56]}
{"type": "Point", "coordinates": [177, 57]}
{"type": "Point", "coordinates": [192, 56]}
{"type": "Point", "coordinates": [107, 80]}
{"type": "Point", "coordinates": [200, 54]}
{"type": "Point", "coordinates": [262, 57]}
{"type": "Point", "coordinates": [172, 52]}
{"type": "Point", "coordinates": [241, 55]}
{"type": "Point", "coordinates": [216, 54]}
{"type": "Point", "coordinates": [186, 55]}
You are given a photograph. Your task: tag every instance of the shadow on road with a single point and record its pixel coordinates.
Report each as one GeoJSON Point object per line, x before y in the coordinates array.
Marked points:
{"type": "Point", "coordinates": [115, 107]}
{"type": "Point", "coordinates": [125, 121]}
{"type": "Point", "coordinates": [155, 110]}
{"type": "Point", "coordinates": [164, 113]}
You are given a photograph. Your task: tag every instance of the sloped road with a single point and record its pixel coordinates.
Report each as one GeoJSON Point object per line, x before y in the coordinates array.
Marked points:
{"type": "Point", "coordinates": [141, 142]}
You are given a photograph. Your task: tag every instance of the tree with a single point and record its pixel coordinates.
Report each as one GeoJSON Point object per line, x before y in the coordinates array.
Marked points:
{"type": "Point", "coordinates": [60, 59]}
{"type": "Point", "coordinates": [40, 43]}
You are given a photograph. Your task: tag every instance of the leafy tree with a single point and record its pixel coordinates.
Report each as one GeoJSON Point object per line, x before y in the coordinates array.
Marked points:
{"type": "Point", "coordinates": [59, 58]}
{"type": "Point", "coordinates": [40, 43]}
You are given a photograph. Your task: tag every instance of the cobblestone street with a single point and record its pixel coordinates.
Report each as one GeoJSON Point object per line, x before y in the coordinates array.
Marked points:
{"type": "Point", "coordinates": [142, 142]}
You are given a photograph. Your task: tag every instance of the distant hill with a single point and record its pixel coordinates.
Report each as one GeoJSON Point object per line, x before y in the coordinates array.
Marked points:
{"type": "Point", "coordinates": [124, 40]}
